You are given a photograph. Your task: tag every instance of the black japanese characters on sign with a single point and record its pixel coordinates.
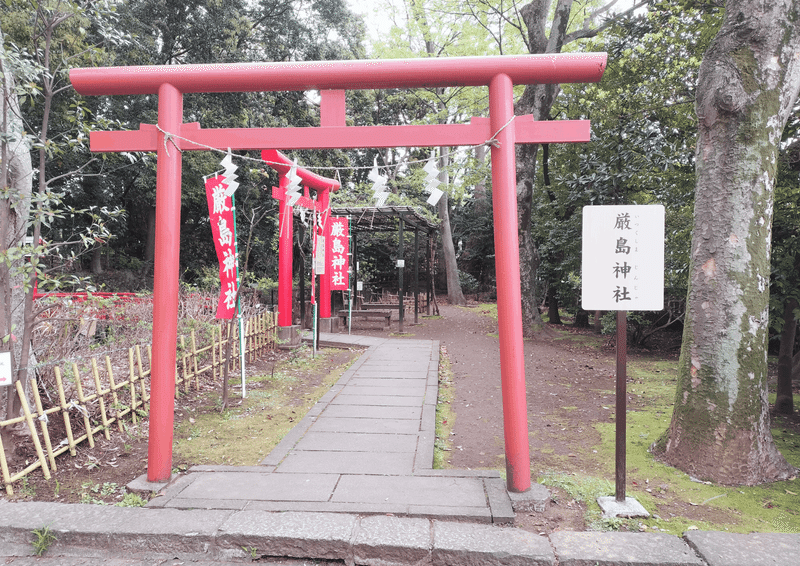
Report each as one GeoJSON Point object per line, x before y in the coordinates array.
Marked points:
{"type": "Point", "coordinates": [623, 258]}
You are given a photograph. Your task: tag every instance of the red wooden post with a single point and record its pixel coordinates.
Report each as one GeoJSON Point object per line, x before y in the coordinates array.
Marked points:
{"type": "Point", "coordinates": [331, 114]}
{"type": "Point", "coordinates": [509, 297]}
{"type": "Point", "coordinates": [285, 252]}
{"type": "Point", "coordinates": [165, 286]}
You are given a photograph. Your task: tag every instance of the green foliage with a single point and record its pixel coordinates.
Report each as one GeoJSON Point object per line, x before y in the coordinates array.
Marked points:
{"type": "Point", "coordinates": [468, 283]}
{"type": "Point", "coordinates": [583, 489]}
{"type": "Point", "coordinates": [43, 538]}
{"type": "Point", "coordinates": [132, 500]}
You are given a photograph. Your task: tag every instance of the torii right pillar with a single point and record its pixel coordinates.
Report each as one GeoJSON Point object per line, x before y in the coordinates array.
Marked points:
{"type": "Point", "coordinates": [509, 296]}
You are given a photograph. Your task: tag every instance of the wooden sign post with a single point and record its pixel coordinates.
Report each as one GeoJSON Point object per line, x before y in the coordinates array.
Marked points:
{"type": "Point", "coordinates": [622, 270]}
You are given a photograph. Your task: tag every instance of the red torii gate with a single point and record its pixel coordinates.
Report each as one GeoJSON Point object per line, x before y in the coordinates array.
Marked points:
{"type": "Point", "coordinates": [502, 129]}
{"type": "Point", "coordinates": [323, 186]}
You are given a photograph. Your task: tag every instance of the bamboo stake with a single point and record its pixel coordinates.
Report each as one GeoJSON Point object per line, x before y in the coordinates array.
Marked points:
{"type": "Point", "coordinates": [117, 407]}
{"type": "Point", "coordinates": [87, 423]}
{"type": "Point", "coordinates": [213, 354]}
{"type": "Point", "coordinates": [132, 382]}
{"type": "Point", "coordinates": [194, 362]}
{"type": "Point", "coordinates": [35, 437]}
{"type": "Point", "coordinates": [145, 396]}
{"type": "Point", "coordinates": [100, 395]}
{"type": "Point", "coordinates": [4, 467]}
{"type": "Point", "coordinates": [65, 411]}
{"type": "Point", "coordinates": [186, 381]}
{"type": "Point", "coordinates": [43, 421]}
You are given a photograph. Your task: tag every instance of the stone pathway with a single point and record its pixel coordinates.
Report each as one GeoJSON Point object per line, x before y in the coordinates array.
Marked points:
{"type": "Point", "coordinates": [366, 447]}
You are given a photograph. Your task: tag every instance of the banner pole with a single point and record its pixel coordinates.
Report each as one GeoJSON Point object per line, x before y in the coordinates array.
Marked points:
{"type": "Point", "coordinates": [239, 298]}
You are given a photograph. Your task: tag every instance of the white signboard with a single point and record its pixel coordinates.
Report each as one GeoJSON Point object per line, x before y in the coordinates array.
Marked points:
{"type": "Point", "coordinates": [319, 259]}
{"type": "Point", "coordinates": [623, 258]}
{"type": "Point", "coordinates": [5, 368]}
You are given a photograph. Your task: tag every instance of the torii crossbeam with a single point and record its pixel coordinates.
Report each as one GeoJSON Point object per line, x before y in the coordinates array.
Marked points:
{"type": "Point", "coordinates": [332, 78]}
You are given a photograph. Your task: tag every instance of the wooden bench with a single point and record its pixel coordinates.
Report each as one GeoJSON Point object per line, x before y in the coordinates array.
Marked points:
{"type": "Point", "coordinates": [367, 315]}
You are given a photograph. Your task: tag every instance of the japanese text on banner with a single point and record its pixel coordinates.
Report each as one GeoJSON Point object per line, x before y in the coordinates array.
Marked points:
{"type": "Point", "coordinates": [340, 250]}
{"type": "Point", "coordinates": [220, 209]}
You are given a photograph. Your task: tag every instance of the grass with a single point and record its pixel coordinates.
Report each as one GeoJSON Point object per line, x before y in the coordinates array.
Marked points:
{"type": "Point", "coordinates": [244, 434]}
{"type": "Point", "coordinates": [445, 416]}
{"type": "Point", "coordinates": [43, 538]}
{"type": "Point", "coordinates": [676, 501]}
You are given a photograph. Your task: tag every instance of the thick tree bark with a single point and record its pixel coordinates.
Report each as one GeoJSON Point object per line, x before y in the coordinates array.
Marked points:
{"type": "Point", "coordinates": [747, 86]}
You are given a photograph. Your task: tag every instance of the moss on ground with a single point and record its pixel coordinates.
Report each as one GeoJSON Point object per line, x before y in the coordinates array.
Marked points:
{"type": "Point", "coordinates": [445, 416]}
{"type": "Point", "coordinates": [245, 433]}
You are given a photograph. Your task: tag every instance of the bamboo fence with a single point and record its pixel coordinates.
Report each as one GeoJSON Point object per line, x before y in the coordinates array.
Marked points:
{"type": "Point", "coordinates": [100, 400]}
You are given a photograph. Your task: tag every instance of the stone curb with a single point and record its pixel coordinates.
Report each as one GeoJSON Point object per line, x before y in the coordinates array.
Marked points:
{"type": "Point", "coordinates": [378, 540]}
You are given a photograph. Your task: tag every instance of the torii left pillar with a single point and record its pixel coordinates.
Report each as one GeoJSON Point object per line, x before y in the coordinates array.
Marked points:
{"type": "Point", "coordinates": [165, 287]}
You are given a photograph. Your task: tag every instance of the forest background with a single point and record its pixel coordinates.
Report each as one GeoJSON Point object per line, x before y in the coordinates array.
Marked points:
{"type": "Point", "coordinates": [91, 220]}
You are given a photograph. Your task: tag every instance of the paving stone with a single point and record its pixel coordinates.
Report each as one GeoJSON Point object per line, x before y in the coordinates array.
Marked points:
{"type": "Point", "coordinates": [302, 535]}
{"type": "Point", "coordinates": [357, 442]}
{"type": "Point", "coordinates": [386, 541]}
{"type": "Point", "coordinates": [416, 382]}
{"type": "Point", "coordinates": [412, 490]}
{"type": "Point", "coordinates": [754, 549]}
{"type": "Point", "coordinates": [622, 549]}
{"type": "Point", "coordinates": [171, 490]}
{"type": "Point", "coordinates": [461, 473]}
{"type": "Point", "coordinates": [357, 425]}
{"type": "Point", "coordinates": [389, 413]}
{"type": "Point", "coordinates": [391, 463]}
{"type": "Point", "coordinates": [456, 544]}
{"type": "Point", "coordinates": [499, 502]}
{"type": "Point", "coordinates": [269, 487]}
{"type": "Point", "coordinates": [354, 508]}
{"type": "Point", "coordinates": [480, 515]}
{"type": "Point", "coordinates": [194, 503]}
{"type": "Point", "coordinates": [114, 528]}
{"type": "Point", "coordinates": [399, 390]}
{"type": "Point", "coordinates": [387, 400]}
{"type": "Point", "coordinates": [383, 372]}
{"type": "Point", "coordinates": [424, 458]}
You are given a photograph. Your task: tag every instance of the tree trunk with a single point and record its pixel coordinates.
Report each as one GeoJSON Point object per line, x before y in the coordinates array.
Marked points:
{"type": "Point", "coordinates": [552, 306]}
{"type": "Point", "coordinates": [784, 402]}
{"type": "Point", "coordinates": [536, 100]}
{"type": "Point", "coordinates": [16, 173]}
{"type": "Point", "coordinates": [747, 86]}
{"type": "Point", "coordinates": [454, 293]}
{"type": "Point", "coordinates": [150, 244]}
{"type": "Point", "coordinates": [97, 260]}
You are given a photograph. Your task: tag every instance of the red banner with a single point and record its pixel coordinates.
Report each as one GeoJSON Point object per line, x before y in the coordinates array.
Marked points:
{"type": "Point", "coordinates": [220, 209]}
{"type": "Point", "coordinates": [339, 240]}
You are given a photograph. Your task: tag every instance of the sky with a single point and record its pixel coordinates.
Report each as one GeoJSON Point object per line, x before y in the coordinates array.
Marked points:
{"type": "Point", "coordinates": [377, 25]}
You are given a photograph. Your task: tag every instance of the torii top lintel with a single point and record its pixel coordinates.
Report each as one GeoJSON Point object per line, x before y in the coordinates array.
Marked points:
{"type": "Point", "coordinates": [356, 74]}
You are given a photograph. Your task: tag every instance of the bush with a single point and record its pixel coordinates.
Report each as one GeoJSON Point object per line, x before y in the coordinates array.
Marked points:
{"type": "Point", "coordinates": [468, 283]}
